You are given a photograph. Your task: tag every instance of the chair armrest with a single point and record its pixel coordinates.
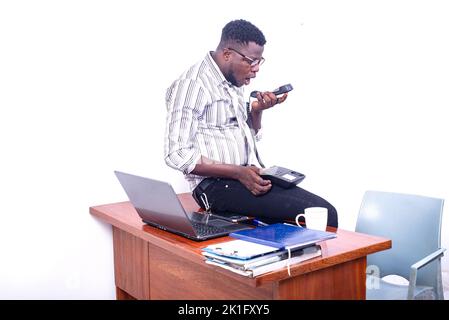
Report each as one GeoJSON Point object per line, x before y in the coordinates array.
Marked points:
{"type": "Point", "coordinates": [418, 265]}
{"type": "Point", "coordinates": [421, 263]}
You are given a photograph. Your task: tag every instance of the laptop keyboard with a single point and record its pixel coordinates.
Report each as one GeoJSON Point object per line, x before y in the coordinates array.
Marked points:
{"type": "Point", "coordinates": [205, 230]}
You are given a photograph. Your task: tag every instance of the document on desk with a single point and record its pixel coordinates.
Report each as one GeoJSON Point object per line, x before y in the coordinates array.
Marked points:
{"type": "Point", "coordinates": [264, 264]}
{"type": "Point", "coordinates": [303, 255]}
{"type": "Point", "coordinates": [239, 249]}
{"type": "Point", "coordinates": [245, 264]}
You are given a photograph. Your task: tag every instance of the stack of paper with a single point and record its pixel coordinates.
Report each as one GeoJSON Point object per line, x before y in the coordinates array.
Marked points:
{"type": "Point", "coordinates": [253, 259]}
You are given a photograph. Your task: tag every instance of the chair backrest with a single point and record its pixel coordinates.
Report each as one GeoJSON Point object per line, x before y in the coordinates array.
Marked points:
{"type": "Point", "coordinates": [413, 223]}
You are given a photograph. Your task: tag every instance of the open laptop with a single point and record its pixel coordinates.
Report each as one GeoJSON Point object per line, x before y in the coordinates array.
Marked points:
{"type": "Point", "coordinates": [158, 205]}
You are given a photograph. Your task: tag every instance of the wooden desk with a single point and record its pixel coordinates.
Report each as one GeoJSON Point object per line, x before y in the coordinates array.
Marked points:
{"type": "Point", "coordinates": [153, 264]}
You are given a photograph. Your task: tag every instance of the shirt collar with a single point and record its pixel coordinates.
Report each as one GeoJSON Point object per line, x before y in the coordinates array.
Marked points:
{"type": "Point", "coordinates": [216, 70]}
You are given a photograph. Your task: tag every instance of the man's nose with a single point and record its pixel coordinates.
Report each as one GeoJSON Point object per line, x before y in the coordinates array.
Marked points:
{"type": "Point", "coordinates": [255, 68]}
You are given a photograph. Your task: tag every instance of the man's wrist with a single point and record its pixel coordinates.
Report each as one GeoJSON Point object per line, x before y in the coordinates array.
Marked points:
{"type": "Point", "coordinates": [236, 172]}
{"type": "Point", "coordinates": [256, 112]}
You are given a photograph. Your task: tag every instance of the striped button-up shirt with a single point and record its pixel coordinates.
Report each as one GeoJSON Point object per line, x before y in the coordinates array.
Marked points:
{"type": "Point", "coordinates": [207, 116]}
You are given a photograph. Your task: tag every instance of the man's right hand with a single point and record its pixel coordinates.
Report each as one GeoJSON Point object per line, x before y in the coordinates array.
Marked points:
{"type": "Point", "coordinates": [251, 179]}
{"type": "Point", "coordinates": [249, 176]}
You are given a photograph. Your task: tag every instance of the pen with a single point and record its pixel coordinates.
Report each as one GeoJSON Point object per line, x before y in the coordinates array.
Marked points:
{"type": "Point", "coordinates": [259, 223]}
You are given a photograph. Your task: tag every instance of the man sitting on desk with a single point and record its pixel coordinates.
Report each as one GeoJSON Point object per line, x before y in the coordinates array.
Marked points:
{"type": "Point", "coordinates": [209, 134]}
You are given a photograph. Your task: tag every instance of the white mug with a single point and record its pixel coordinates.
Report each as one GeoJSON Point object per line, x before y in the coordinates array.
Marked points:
{"type": "Point", "coordinates": [316, 218]}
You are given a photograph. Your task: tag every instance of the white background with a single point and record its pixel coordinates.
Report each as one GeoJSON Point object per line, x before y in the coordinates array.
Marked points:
{"type": "Point", "coordinates": [82, 87]}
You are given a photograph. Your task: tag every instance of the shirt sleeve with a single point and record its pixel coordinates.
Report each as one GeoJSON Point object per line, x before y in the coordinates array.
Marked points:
{"type": "Point", "coordinates": [185, 101]}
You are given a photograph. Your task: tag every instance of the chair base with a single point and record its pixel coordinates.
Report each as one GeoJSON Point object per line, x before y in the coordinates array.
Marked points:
{"type": "Point", "coordinates": [378, 289]}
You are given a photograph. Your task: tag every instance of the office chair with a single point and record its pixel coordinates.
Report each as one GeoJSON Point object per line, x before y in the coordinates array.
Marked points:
{"type": "Point", "coordinates": [413, 223]}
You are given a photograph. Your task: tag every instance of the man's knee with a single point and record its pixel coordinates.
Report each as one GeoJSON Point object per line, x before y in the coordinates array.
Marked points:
{"type": "Point", "coordinates": [332, 216]}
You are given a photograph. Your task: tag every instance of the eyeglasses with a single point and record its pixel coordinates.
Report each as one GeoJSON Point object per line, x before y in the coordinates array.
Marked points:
{"type": "Point", "coordinates": [252, 62]}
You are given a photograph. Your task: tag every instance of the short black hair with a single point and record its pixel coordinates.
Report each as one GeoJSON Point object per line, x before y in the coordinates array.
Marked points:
{"type": "Point", "coordinates": [242, 32]}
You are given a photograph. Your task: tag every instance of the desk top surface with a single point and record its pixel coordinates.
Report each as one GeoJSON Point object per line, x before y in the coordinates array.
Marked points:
{"type": "Point", "coordinates": [347, 246]}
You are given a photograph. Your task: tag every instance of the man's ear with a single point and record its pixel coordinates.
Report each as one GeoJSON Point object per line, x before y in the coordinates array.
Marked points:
{"type": "Point", "coordinates": [226, 54]}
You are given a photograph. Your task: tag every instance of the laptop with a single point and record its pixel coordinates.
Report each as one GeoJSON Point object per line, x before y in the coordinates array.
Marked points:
{"type": "Point", "coordinates": [158, 205]}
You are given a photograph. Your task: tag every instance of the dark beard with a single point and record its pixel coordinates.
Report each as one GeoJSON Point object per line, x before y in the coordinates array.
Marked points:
{"type": "Point", "coordinates": [230, 77]}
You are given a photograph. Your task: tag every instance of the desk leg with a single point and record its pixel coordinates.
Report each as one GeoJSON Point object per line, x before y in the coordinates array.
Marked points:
{"type": "Point", "coordinates": [123, 295]}
{"type": "Point", "coordinates": [131, 266]}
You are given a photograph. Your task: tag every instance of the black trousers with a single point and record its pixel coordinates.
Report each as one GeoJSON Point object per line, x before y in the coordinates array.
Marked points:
{"type": "Point", "coordinates": [277, 205]}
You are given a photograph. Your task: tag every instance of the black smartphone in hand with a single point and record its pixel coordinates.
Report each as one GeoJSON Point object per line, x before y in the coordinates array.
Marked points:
{"type": "Point", "coordinates": [281, 90]}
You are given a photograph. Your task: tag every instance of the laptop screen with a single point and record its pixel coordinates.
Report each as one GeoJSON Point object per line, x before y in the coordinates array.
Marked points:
{"type": "Point", "coordinates": [156, 202]}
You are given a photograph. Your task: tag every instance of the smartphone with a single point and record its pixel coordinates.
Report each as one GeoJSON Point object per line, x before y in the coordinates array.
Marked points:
{"type": "Point", "coordinates": [281, 90]}
{"type": "Point", "coordinates": [232, 217]}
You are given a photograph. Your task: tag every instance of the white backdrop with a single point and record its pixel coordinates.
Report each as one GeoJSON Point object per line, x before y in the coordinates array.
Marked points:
{"type": "Point", "coordinates": [82, 87]}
